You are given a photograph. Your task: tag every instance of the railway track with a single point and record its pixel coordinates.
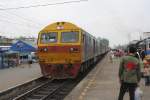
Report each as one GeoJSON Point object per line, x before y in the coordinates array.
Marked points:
{"type": "Point", "coordinates": [52, 90]}
{"type": "Point", "coordinates": [43, 89]}
{"type": "Point", "coordinates": [22, 88]}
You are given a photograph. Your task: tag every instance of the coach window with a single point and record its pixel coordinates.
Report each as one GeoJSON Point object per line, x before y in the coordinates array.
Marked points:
{"type": "Point", "coordinates": [69, 37]}
{"type": "Point", "coordinates": [49, 37]}
{"type": "Point", "coordinates": [83, 38]}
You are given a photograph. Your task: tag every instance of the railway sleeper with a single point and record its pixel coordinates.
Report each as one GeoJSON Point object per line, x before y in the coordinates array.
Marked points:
{"type": "Point", "coordinates": [35, 97]}
{"type": "Point", "coordinates": [39, 95]}
{"type": "Point", "coordinates": [43, 92]}
{"type": "Point", "coordinates": [30, 99]}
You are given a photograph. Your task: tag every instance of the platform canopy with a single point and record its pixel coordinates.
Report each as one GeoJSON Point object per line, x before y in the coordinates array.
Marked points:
{"type": "Point", "coordinates": [23, 47]}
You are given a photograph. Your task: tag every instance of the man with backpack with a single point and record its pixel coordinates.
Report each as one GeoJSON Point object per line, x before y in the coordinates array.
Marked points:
{"type": "Point", "coordinates": [129, 74]}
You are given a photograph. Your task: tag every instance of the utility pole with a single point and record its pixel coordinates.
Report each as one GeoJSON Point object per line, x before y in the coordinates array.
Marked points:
{"type": "Point", "coordinates": [129, 37]}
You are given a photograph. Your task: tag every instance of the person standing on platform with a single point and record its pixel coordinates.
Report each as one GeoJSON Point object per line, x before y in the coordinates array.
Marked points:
{"type": "Point", "coordinates": [142, 54]}
{"type": "Point", "coordinates": [111, 56]}
{"type": "Point", "coordinates": [29, 60]}
{"type": "Point", "coordinates": [129, 74]}
{"type": "Point", "coordinates": [147, 72]}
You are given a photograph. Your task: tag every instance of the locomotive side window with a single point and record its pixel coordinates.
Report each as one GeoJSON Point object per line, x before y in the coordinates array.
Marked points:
{"type": "Point", "coordinates": [49, 37]}
{"type": "Point", "coordinates": [69, 37]}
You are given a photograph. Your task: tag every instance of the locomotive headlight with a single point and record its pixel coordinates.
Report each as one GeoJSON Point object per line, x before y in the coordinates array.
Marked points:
{"type": "Point", "coordinates": [45, 49]}
{"type": "Point", "coordinates": [74, 50]}
{"type": "Point", "coordinates": [71, 49]}
{"type": "Point", "coordinates": [60, 27]}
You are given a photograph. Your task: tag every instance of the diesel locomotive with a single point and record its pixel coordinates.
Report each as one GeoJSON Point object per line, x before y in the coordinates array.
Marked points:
{"type": "Point", "coordinates": [65, 50]}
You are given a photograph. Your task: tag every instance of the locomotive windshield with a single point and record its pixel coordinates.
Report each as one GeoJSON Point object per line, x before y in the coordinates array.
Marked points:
{"type": "Point", "coordinates": [69, 37]}
{"type": "Point", "coordinates": [50, 37]}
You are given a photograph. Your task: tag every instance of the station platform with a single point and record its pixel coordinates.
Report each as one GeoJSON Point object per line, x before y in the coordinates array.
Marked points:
{"type": "Point", "coordinates": [102, 83]}
{"type": "Point", "coordinates": [14, 76]}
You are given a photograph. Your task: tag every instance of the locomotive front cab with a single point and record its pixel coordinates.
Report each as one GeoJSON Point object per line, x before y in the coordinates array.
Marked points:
{"type": "Point", "coordinates": [60, 47]}
{"type": "Point", "coordinates": [59, 51]}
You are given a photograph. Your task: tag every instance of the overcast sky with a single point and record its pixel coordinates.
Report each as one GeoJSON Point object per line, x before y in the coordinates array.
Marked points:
{"type": "Point", "coordinates": [117, 20]}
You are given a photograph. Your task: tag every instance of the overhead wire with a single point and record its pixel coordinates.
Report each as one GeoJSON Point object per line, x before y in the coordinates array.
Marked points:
{"type": "Point", "coordinates": [37, 6]}
{"type": "Point", "coordinates": [20, 26]}
{"type": "Point", "coordinates": [7, 19]}
{"type": "Point", "coordinates": [31, 22]}
{"type": "Point", "coordinates": [35, 2]}
{"type": "Point", "coordinates": [10, 18]}
{"type": "Point", "coordinates": [31, 6]}
{"type": "Point", "coordinates": [14, 25]}
{"type": "Point", "coordinates": [21, 17]}
{"type": "Point", "coordinates": [47, 4]}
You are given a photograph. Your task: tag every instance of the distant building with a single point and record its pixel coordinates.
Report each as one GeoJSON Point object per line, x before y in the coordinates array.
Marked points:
{"type": "Point", "coordinates": [4, 47]}
{"type": "Point", "coordinates": [146, 35]}
{"type": "Point", "coordinates": [24, 48]}
{"type": "Point", "coordinates": [3, 58]}
{"type": "Point", "coordinates": [31, 39]}
{"type": "Point", "coordinates": [14, 51]}
{"type": "Point", "coordinates": [5, 41]}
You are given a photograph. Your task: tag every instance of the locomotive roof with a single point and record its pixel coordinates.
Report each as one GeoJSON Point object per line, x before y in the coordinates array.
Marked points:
{"type": "Point", "coordinates": [65, 26]}
{"type": "Point", "coordinates": [60, 25]}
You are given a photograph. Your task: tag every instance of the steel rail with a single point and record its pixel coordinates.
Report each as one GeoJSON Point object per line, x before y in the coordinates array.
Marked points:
{"type": "Point", "coordinates": [54, 91]}
{"type": "Point", "coordinates": [21, 88]}
{"type": "Point", "coordinates": [24, 95]}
